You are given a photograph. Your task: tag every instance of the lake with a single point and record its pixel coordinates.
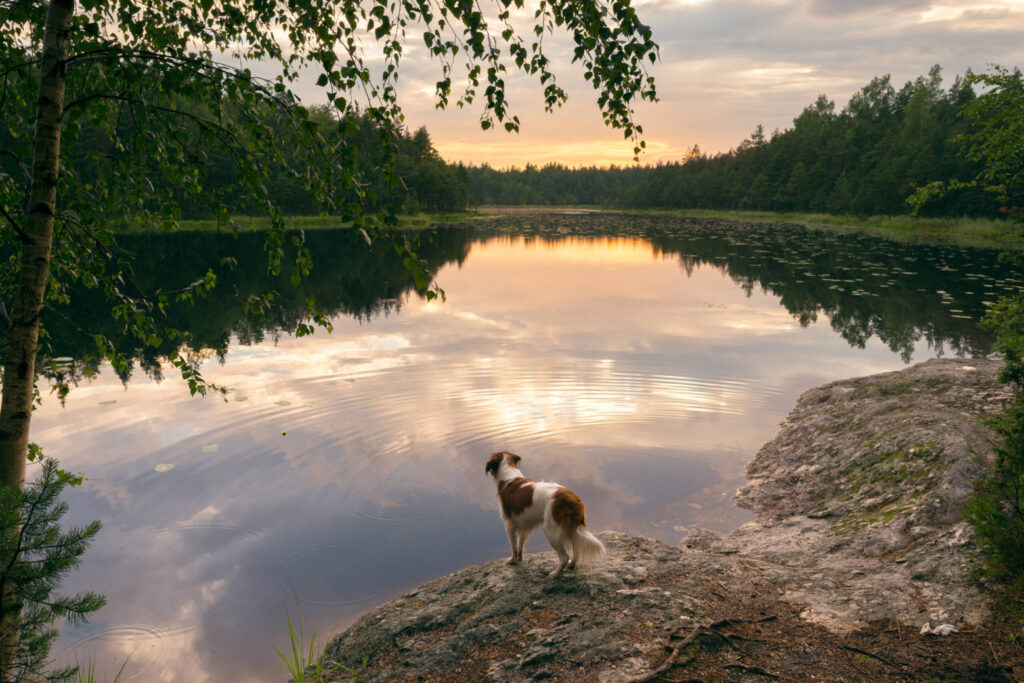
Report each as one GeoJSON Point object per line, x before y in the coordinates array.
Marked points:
{"type": "Point", "coordinates": [640, 361]}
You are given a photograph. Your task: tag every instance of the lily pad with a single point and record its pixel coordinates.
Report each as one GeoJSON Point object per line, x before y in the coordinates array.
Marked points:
{"type": "Point", "coordinates": [211, 447]}
{"type": "Point", "coordinates": [164, 467]}
{"type": "Point", "coordinates": [108, 403]}
{"type": "Point", "coordinates": [282, 403]}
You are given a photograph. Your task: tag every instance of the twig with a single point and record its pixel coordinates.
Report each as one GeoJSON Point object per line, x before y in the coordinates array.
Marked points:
{"type": "Point", "coordinates": [17, 227]}
{"type": "Point", "coordinates": [680, 680]}
{"type": "Point", "coordinates": [859, 651]}
{"type": "Point", "coordinates": [700, 629]}
{"type": "Point", "coordinates": [671, 661]}
{"type": "Point", "coordinates": [756, 670]}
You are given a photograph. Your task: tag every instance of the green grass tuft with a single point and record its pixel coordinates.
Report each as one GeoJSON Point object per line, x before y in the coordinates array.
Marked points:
{"type": "Point", "coordinates": [87, 673]}
{"type": "Point", "coordinates": [302, 663]}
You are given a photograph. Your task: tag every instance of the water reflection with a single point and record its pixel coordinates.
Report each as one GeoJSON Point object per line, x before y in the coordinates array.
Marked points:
{"type": "Point", "coordinates": [643, 369]}
{"type": "Point", "coordinates": [864, 286]}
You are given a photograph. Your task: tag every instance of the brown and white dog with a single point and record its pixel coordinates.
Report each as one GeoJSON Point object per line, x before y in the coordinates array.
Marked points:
{"type": "Point", "coordinates": [527, 504]}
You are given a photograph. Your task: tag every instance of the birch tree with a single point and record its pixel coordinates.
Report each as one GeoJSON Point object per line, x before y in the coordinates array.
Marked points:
{"type": "Point", "coordinates": [172, 82]}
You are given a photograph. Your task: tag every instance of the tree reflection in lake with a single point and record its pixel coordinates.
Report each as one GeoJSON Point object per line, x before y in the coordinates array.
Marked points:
{"type": "Point", "coordinates": [348, 279]}
{"type": "Point", "coordinates": [641, 361]}
{"type": "Point", "coordinates": [900, 293]}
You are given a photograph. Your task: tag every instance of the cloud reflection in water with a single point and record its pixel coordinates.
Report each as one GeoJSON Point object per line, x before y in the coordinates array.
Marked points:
{"type": "Point", "coordinates": [354, 469]}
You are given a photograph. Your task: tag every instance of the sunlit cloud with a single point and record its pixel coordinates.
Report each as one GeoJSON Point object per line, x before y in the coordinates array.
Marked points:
{"type": "Point", "coordinates": [727, 66]}
{"type": "Point", "coordinates": [998, 15]}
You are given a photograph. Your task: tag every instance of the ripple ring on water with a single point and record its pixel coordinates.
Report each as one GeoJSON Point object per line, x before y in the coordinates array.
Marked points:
{"type": "Point", "coordinates": [418, 500]}
{"type": "Point", "coordinates": [153, 640]}
{"type": "Point", "coordinates": [337, 573]}
{"type": "Point", "coordinates": [205, 526]}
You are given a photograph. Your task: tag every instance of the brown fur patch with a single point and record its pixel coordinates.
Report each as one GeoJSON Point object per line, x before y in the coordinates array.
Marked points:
{"type": "Point", "coordinates": [567, 510]}
{"type": "Point", "coordinates": [515, 495]}
{"type": "Point", "coordinates": [495, 462]}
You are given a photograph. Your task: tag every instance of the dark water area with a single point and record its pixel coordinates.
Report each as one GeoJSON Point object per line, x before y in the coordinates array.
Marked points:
{"type": "Point", "coordinates": [641, 362]}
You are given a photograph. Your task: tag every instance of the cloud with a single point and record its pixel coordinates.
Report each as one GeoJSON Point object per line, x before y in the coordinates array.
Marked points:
{"type": "Point", "coordinates": [845, 8]}
{"type": "Point", "coordinates": [727, 65]}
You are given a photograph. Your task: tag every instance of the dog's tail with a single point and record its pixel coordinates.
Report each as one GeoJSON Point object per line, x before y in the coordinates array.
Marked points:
{"type": "Point", "coordinates": [586, 547]}
{"type": "Point", "coordinates": [569, 514]}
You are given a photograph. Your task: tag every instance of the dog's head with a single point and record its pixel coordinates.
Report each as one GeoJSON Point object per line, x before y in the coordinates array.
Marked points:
{"type": "Point", "coordinates": [497, 458]}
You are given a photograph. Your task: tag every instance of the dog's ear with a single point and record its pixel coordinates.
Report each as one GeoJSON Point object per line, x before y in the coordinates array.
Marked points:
{"type": "Point", "coordinates": [514, 458]}
{"type": "Point", "coordinates": [493, 464]}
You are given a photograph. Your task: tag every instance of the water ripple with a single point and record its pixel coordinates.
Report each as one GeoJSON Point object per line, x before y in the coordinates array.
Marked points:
{"type": "Point", "coordinates": [337, 573]}
{"type": "Point", "coordinates": [145, 647]}
{"type": "Point", "coordinates": [402, 500]}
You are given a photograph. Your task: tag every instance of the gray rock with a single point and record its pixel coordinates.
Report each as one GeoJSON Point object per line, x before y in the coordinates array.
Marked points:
{"type": "Point", "coordinates": [860, 495]}
{"type": "Point", "coordinates": [858, 502]}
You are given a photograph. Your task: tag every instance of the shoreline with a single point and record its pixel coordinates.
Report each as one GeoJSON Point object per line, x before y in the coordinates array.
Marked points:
{"type": "Point", "coordinates": [857, 543]}
{"type": "Point", "coordinates": [962, 232]}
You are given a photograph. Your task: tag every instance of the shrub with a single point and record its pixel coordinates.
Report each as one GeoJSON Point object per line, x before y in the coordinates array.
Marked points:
{"type": "Point", "coordinates": [996, 511]}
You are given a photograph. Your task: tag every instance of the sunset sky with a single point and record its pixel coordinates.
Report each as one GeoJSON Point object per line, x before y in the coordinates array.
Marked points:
{"type": "Point", "coordinates": [726, 66]}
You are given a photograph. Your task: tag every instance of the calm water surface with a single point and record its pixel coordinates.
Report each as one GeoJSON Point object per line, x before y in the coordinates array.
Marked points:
{"type": "Point", "coordinates": [642, 364]}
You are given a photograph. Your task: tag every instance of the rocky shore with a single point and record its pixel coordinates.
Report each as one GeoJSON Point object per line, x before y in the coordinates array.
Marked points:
{"type": "Point", "coordinates": [857, 557]}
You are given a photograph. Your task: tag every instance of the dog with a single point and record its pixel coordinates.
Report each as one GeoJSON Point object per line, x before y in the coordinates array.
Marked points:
{"type": "Point", "coordinates": [527, 504]}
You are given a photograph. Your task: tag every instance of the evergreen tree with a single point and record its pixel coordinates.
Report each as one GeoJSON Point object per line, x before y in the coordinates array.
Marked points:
{"type": "Point", "coordinates": [35, 554]}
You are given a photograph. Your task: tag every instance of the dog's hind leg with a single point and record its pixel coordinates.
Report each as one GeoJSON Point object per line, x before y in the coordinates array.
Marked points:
{"type": "Point", "coordinates": [559, 543]}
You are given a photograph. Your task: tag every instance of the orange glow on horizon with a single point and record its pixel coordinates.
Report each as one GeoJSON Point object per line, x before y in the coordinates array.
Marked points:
{"type": "Point", "coordinates": [513, 153]}
{"type": "Point", "coordinates": [607, 250]}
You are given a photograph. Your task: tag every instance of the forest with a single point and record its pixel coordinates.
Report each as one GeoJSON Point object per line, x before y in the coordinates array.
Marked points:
{"type": "Point", "coordinates": [864, 159]}
{"type": "Point", "coordinates": [427, 182]}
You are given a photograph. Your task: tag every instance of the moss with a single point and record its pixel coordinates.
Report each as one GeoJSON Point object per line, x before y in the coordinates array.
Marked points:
{"type": "Point", "coordinates": [929, 385]}
{"type": "Point", "coordinates": [884, 515]}
{"type": "Point", "coordinates": [900, 477]}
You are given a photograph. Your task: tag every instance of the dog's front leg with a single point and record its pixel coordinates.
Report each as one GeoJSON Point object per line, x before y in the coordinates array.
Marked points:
{"type": "Point", "coordinates": [513, 543]}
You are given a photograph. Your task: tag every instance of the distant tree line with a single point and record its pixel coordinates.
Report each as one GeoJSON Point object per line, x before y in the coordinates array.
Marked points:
{"type": "Point", "coordinates": [550, 185]}
{"type": "Point", "coordinates": [865, 159]}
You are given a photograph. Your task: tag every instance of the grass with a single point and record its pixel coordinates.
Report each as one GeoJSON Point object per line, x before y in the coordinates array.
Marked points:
{"type": "Point", "coordinates": [417, 221]}
{"type": "Point", "coordinates": [305, 663]}
{"type": "Point", "coordinates": [298, 661]}
{"type": "Point", "coordinates": [87, 673]}
{"type": "Point", "coordinates": [967, 232]}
